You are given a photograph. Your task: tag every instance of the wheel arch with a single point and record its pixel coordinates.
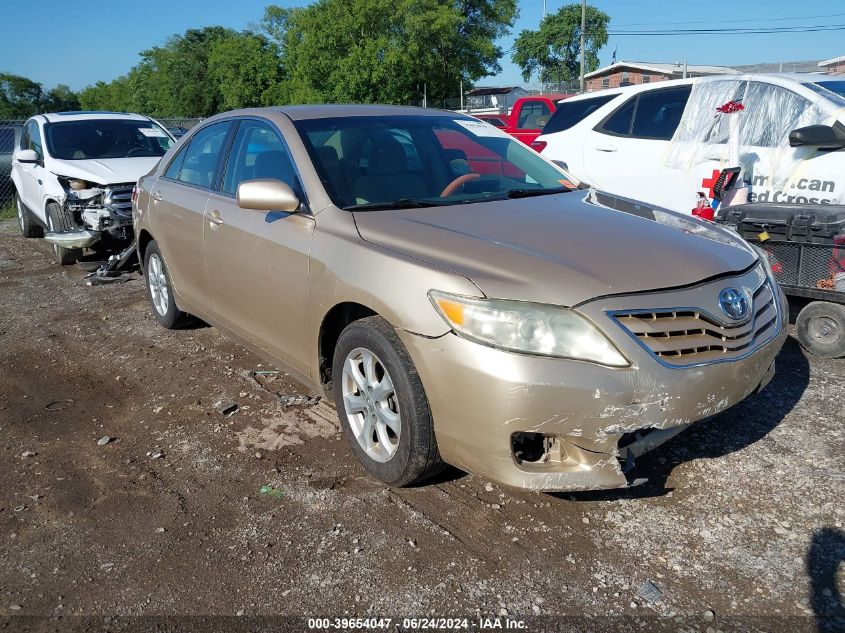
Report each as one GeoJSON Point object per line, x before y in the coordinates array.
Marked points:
{"type": "Point", "coordinates": [144, 239]}
{"type": "Point", "coordinates": [333, 323]}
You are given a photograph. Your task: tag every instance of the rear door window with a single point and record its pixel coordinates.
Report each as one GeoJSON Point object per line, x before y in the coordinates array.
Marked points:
{"type": "Point", "coordinates": [202, 157]}
{"type": "Point", "coordinates": [652, 115]}
{"type": "Point", "coordinates": [569, 113]}
{"type": "Point", "coordinates": [619, 123]}
{"type": "Point", "coordinates": [659, 112]}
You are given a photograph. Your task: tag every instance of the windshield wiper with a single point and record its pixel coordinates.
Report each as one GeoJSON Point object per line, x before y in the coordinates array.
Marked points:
{"type": "Point", "coordinates": [401, 203]}
{"type": "Point", "coordinates": [527, 193]}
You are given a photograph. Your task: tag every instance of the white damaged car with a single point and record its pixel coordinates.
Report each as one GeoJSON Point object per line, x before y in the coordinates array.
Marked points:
{"type": "Point", "coordinates": [74, 173]}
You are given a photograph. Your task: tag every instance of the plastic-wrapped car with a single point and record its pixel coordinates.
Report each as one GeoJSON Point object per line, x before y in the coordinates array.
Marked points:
{"type": "Point", "coordinates": [666, 142]}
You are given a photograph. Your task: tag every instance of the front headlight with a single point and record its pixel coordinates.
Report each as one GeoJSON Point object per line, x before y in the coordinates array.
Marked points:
{"type": "Point", "coordinates": [767, 262]}
{"type": "Point", "coordinates": [530, 328]}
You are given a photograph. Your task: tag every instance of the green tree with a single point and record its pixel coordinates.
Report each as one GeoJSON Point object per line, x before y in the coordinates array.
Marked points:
{"type": "Point", "coordinates": [61, 99]}
{"type": "Point", "coordinates": [19, 97]}
{"type": "Point", "coordinates": [246, 69]}
{"type": "Point", "coordinates": [114, 96]}
{"type": "Point", "coordinates": [383, 51]}
{"type": "Point", "coordinates": [553, 50]}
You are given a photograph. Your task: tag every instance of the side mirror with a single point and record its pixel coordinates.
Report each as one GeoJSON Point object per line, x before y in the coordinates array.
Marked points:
{"type": "Point", "coordinates": [821, 136]}
{"type": "Point", "coordinates": [26, 156]}
{"type": "Point", "coordinates": [267, 194]}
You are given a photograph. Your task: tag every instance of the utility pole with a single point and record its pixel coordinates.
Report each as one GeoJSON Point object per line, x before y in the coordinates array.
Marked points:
{"type": "Point", "coordinates": [544, 9]}
{"type": "Point", "coordinates": [462, 94]}
{"type": "Point", "coordinates": [583, 26]}
{"type": "Point", "coordinates": [685, 69]}
{"type": "Point", "coordinates": [425, 95]}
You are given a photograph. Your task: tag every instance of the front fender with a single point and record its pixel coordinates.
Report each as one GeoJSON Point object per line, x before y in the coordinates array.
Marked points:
{"type": "Point", "coordinates": [345, 268]}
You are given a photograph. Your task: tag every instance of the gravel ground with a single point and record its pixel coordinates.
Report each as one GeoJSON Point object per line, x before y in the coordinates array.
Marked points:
{"type": "Point", "coordinates": [125, 492]}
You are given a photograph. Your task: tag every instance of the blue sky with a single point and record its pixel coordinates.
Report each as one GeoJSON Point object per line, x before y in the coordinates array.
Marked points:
{"type": "Point", "coordinates": [100, 39]}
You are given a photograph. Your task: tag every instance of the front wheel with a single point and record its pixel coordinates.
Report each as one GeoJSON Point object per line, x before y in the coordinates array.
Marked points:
{"type": "Point", "coordinates": [820, 328]}
{"type": "Point", "coordinates": [382, 405]}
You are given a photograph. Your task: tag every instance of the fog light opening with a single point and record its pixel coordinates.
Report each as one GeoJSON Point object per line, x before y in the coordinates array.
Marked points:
{"type": "Point", "coordinates": [530, 447]}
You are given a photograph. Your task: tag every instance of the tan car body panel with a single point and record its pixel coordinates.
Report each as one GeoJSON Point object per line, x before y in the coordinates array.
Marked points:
{"type": "Point", "coordinates": [270, 279]}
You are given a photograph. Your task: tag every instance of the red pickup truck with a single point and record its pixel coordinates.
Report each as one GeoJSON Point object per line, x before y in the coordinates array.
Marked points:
{"type": "Point", "coordinates": [528, 116]}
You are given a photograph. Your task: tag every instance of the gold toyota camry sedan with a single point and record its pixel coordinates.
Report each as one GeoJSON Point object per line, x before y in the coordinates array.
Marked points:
{"type": "Point", "coordinates": [458, 297]}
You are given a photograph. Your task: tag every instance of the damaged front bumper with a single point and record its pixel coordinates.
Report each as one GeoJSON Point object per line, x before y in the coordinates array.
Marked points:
{"type": "Point", "coordinates": [98, 212]}
{"type": "Point", "coordinates": [80, 238]}
{"type": "Point", "coordinates": [553, 424]}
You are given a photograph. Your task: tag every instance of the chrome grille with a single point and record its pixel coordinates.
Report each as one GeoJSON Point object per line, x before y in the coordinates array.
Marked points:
{"type": "Point", "coordinates": [118, 198]}
{"type": "Point", "coordinates": [687, 336]}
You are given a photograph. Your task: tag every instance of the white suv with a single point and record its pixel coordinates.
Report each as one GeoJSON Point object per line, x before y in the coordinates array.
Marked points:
{"type": "Point", "coordinates": [665, 142]}
{"type": "Point", "coordinates": [73, 176]}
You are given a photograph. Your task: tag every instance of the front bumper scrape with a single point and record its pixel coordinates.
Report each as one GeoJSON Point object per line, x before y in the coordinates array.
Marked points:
{"type": "Point", "coordinates": [80, 238]}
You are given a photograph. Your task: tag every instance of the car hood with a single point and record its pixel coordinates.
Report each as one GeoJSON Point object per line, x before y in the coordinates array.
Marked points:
{"type": "Point", "coordinates": [106, 171]}
{"type": "Point", "coordinates": [561, 249]}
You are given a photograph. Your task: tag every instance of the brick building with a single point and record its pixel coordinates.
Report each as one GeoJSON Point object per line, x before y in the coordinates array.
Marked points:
{"type": "Point", "coordinates": [624, 73]}
{"type": "Point", "coordinates": [835, 66]}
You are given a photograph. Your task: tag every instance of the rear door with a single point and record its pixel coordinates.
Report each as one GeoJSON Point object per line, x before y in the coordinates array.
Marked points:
{"type": "Point", "coordinates": [257, 261]}
{"type": "Point", "coordinates": [625, 153]}
{"type": "Point", "coordinates": [179, 197]}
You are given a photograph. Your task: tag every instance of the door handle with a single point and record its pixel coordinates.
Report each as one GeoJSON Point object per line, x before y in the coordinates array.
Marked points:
{"type": "Point", "coordinates": [214, 218]}
{"type": "Point", "coordinates": [156, 195]}
{"type": "Point", "coordinates": [606, 148]}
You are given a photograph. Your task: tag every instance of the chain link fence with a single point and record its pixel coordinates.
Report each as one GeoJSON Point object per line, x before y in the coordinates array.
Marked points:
{"type": "Point", "coordinates": [10, 136]}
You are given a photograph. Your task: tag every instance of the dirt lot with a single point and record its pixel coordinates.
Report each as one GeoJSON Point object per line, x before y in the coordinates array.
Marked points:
{"type": "Point", "coordinates": [739, 528]}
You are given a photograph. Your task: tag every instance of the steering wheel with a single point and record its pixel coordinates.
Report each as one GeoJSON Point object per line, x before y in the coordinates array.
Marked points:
{"type": "Point", "coordinates": [137, 148]}
{"type": "Point", "coordinates": [457, 183]}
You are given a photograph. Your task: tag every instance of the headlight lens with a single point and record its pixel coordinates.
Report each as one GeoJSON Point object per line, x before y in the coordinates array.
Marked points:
{"type": "Point", "coordinates": [767, 262]}
{"type": "Point", "coordinates": [529, 328]}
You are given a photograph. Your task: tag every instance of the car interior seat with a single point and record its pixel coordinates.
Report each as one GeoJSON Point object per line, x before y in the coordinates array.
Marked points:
{"type": "Point", "coordinates": [388, 178]}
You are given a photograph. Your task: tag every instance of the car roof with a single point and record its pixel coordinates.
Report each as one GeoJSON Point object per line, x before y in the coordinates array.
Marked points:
{"type": "Point", "coordinates": [305, 112]}
{"type": "Point", "coordinates": [783, 79]}
{"type": "Point", "coordinates": [56, 117]}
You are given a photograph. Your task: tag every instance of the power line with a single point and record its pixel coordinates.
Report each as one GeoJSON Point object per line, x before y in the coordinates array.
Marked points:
{"type": "Point", "coordinates": [736, 31]}
{"type": "Point", "coordinates": [806, 17]}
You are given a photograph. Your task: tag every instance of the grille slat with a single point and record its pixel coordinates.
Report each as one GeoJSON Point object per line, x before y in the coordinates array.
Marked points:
{"type": "Point", "coordinates": [119, 199]}
{"type": "Point", "coordinates": [688, 336]}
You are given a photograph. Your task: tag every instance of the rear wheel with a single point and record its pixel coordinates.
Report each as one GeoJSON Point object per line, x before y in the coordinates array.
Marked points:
{"type": "Point", "coordinates": [59, 221]}
{"type": "Point", "coordinates": [382, 405]}
{"type": "Point", "coordinates": [28, 224]}
{"type": "Point", "coordinates": [820, 328]}
{"type": "Point", "coordinates": [160, 290]}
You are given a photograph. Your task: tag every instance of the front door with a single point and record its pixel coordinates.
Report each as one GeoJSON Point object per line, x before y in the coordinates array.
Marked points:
{"type": "Point", "coordinates": [257, 261]}
{"type": "Point", "coordinates": [31, 173]}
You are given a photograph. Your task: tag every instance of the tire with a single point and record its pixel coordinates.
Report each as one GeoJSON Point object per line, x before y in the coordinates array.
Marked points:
{"type": "Point", "coordinates": [160, 290]}
{"type": "Point", "coordinates": [26, 221]}
{"type": "Point", "coordinates": [58, 221]}
{"type": "Point", "coordinates": [390, 429]}
{"type": "Point", "coordinates": [820, 328]}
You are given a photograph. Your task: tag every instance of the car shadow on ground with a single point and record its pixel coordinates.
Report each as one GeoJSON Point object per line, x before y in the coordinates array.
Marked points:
{"type": "Point", "coordinates": [731, 430]}
{"type": "Point", "coordinates": [826, 554]}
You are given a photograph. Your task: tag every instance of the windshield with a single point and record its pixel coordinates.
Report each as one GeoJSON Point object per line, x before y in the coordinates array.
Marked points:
{"type": "Point", "coordinates": [106, 138]}
{"type": "Point", "coordinates": [832, 90]}
{"type": "Point", "coordinates": [401, 161]}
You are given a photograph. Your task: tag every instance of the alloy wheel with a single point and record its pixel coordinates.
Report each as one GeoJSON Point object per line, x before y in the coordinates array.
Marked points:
{"type": "Point", "coordinates": [157, 281]}
{"type": "Point", "coordinates": [372, 408]}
